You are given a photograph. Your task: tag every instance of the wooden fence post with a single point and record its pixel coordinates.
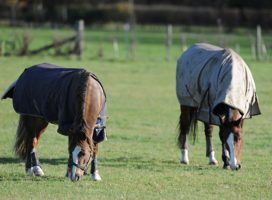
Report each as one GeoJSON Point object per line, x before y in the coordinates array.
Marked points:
{"type": "Point", "coordinates": [79, 39]}
{"type": "Point", "coordinates": [2, 50]}
{"type": "Point", "coordinates": [259, 55]}
{"type": "Point", "coordinates": [168, 43]}
{"type": "Point", "coordinates": [127, 39]}
{"type": "Point", "coordinates": [132, 26]}
{"type": "Point", "coordinates": [115, 47]}
{"type": "Point", "coordinates": [183, 42]}
{"type": "Point", "coordinates": [221, 38]}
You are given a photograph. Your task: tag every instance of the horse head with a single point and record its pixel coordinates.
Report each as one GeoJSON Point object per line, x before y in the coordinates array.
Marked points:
{"type": "Point", "coordinates": [231, 132]}
{"type": "Point", "coordinates": [80, 151]}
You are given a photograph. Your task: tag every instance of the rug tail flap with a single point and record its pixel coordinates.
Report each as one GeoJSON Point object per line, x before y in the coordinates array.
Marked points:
{"type": "Point", "coordinates": [9, 92]}
{"type": "Point", "coordinates": [255, 110]}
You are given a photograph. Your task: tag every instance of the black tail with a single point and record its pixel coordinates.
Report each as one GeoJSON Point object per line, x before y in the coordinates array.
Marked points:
{"type": "Point", "coordinates": [29, 129]}
{"type": "Point", "coordinates": [188, 123]}
{"type": "Point", "coordinates": [21, 146]}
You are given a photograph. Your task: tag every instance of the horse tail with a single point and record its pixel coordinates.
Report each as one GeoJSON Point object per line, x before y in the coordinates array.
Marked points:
{"type": "Point", "coordinates": [193, 125]}
{"type": "Point", "coordinates": [187, 123]}
{"type": "Point", "coordinates": [21, 141]}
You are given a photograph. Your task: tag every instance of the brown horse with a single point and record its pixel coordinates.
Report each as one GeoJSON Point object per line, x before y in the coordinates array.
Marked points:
{"type": "Point", "coordinates": [214, 85]}
{"type": "Point", "coordinates": [72, 98]}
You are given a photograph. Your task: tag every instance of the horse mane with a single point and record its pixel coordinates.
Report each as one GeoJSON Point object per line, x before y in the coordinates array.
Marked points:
{"type": "Point", "coordinates": [95, 78]}
{"type": "Point", "coordinates": [80, 124]}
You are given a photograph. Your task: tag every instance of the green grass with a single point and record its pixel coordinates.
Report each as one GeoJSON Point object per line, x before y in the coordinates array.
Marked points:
{"type": "Point", "coordinates": [140, 160]}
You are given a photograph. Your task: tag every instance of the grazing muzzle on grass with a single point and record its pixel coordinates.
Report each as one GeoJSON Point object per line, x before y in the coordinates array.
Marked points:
{"type": "Point", "coordinates": [232, 124]}
{"type": "Point", "coordinates": [78, 166]}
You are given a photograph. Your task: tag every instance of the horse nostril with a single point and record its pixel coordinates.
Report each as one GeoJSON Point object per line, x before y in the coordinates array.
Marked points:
{"type": "Point", "coordinates": [238, 167]}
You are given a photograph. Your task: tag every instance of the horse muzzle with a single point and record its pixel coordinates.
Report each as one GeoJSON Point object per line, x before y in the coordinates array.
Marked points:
{"type": "Point", "coordinates": [235, 167]}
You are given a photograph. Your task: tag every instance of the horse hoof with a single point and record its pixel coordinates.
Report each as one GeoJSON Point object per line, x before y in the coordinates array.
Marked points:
{"type": "Point", "coordinates": [213, 162]}
{"type": "Point", "coordinates": [212, 159]}
{"type": "Point", "coordinates": [95, 176]}
{"type": "Point", "coordinates": [226, 166]}
{"type": "Point", "coordinates": [184, 162]}
{"type": "Point", "coordinates": [184, 157]}
{"type": "Point", "coordinates": [35, 171]}
{"type": "Point", "coordinates": [29, 172]}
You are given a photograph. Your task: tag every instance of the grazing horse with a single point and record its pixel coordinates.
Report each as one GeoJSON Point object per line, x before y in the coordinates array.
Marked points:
{"type": "Point", "coordinates": [72, 98]}
{"type": "Point", "coordinates": [214, 85]}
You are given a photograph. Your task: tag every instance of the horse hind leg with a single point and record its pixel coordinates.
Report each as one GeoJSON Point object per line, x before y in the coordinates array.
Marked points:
{"type": "Point", "coordinates": [209, 146]}
{"type": "Point", "coordinates": [27, 138]}
{"type": "Point", "coordinates": [185, 121]}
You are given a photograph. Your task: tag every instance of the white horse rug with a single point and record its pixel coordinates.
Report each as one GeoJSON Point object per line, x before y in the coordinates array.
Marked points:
{"type": "Point", "coordinates": [208, 75]}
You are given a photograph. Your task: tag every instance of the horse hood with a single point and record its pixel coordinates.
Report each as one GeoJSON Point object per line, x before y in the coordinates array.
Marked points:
{"type": "Point", "coordinates": [207, 76]}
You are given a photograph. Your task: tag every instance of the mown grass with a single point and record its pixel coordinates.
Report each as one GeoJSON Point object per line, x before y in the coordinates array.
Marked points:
{"type": "Point", "coordinates": [140, 160]}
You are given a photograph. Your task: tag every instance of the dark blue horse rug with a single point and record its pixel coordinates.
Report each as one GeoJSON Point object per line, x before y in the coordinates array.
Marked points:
{"type": "Point", "coordinates": [55, 94]}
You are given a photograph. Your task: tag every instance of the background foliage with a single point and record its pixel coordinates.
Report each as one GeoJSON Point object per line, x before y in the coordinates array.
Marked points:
{"type": "Point", "coordinates": [229, 13]}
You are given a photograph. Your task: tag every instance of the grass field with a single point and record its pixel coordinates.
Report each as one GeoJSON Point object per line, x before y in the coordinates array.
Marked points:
{"type": "Point", "coordinates": [140, 160]}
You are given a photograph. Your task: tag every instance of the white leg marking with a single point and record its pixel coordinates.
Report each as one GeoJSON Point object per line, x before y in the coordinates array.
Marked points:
{"type": "Point", "coordinates": [233, 161]}
{"type": "Point", "coordinates": [35, 171]}
{"type": "Point", "coordinates": [95, 176]}
{"type": "Point", "coordinates": [75, 160]}
{"type": "Point", "coordinates": [38, 171]}
{"type": "Point", "coordinates": [212, 159]}
{"type": "Point", "coordinates": [184, 156]}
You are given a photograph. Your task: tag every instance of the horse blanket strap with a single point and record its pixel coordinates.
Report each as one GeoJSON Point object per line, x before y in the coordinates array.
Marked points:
{"type": "Point", "coordinates": [83, 168]}
{"type": "Point", "coordinates": [99, 133]}
{"type": "Point", "coordinates": [221, 72]}
{"type": "Point", "coordinates": [50, 92]}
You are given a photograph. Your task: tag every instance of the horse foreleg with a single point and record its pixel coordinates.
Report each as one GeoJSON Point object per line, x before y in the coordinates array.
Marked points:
{"type": "Point", "coordinates": [94, 165]}
{"type": "Point", "coordinates": [209, 146]}
{"type": "Point", "coordinates": [225, 151]}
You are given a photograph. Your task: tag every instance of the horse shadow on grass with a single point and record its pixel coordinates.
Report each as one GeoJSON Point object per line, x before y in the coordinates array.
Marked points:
{"type": "Point", "coordinates": [19, 175]}
{"type": "Point", "coordinates": [49, 161]}
{"type": "Point", "coordinates": [153, 164]}
{"type": "Point", "coordinates": [137, 162]}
